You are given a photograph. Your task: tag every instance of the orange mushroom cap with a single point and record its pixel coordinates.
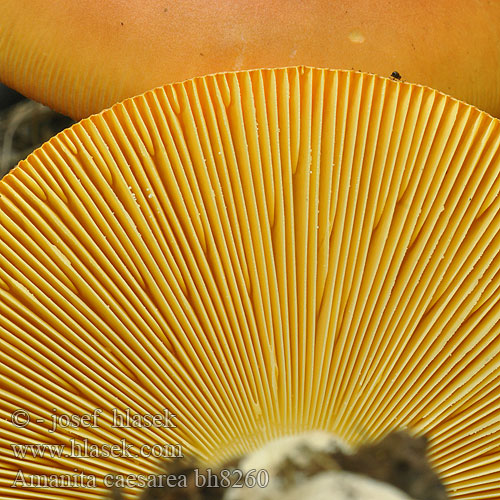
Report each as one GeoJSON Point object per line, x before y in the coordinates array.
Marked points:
{"type": "Point", "coordinates": [82, 56]}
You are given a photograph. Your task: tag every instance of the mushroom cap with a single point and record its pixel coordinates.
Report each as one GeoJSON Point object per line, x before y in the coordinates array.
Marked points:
{"type": "Point", "coordinates": [261, 254]}
{"type": "Point", "coordinates": [80, 57]}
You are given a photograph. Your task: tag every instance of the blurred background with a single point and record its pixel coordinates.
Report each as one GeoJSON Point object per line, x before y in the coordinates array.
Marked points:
{"type": "Point", "coordinates": [24, 126]}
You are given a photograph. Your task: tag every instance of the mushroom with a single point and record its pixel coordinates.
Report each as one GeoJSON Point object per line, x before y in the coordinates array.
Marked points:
{"type": "Point", "coordinates": [80, 57]}
{"type": "Point", "coordinates": [218, 263]}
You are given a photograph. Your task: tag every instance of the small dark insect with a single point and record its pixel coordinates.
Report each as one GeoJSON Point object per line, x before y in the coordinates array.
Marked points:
{"type": "Point", "coordinates": [395, 75]}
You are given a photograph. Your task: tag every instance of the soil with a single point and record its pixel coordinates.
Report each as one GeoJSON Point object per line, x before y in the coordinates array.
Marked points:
{"type": "Point", "coordinates": [24, 126]}
{"type": "Point", "coordinates": [399, 460]}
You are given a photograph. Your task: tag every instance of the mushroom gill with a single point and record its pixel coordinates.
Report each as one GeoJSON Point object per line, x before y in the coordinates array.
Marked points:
{"type": "Point", "coordinates": [248, 256]}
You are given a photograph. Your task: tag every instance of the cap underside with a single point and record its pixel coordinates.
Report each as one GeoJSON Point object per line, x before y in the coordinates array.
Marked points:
{"type": "Point", "coordinates": [260, 253]}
